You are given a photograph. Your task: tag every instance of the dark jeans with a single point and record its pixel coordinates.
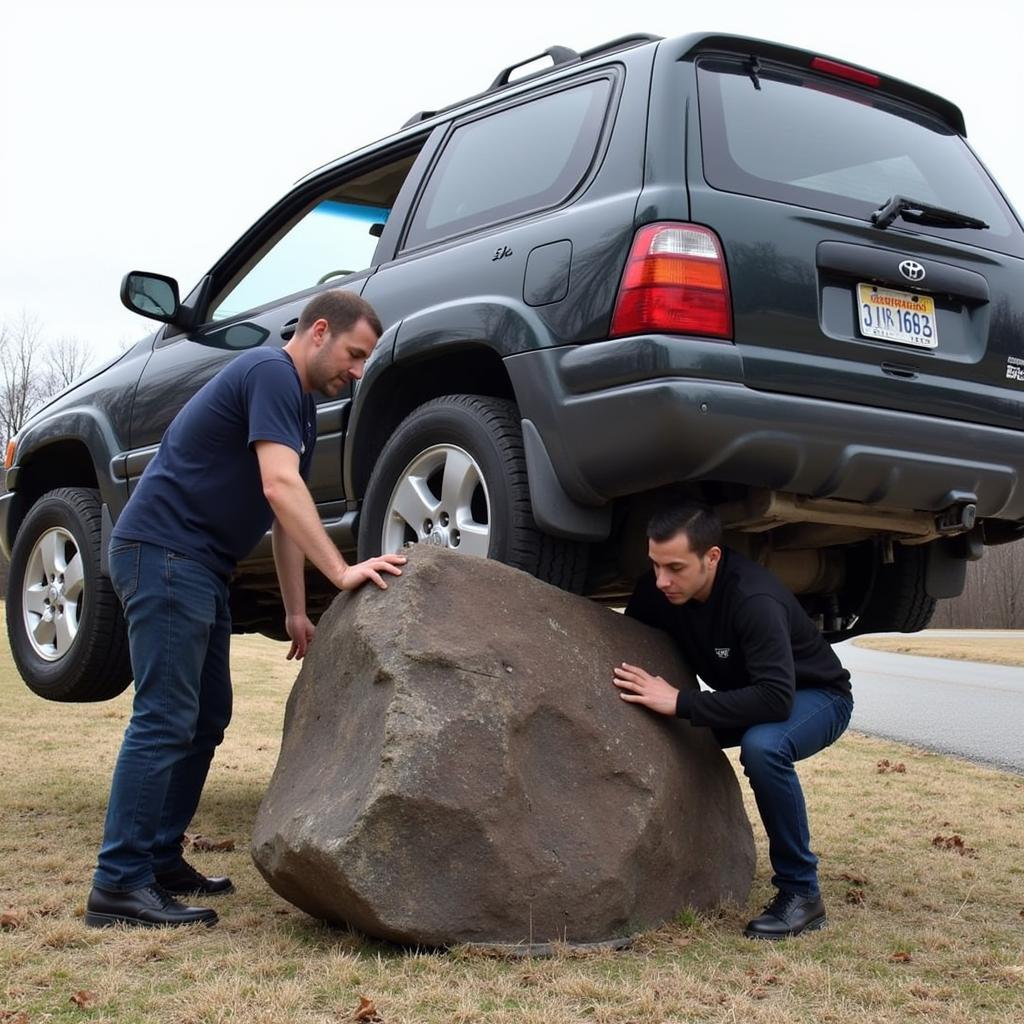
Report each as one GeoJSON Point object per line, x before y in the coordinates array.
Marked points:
{"type": "Point", "coordinates": [179, 630]}
{"type": "Point", "coordinates": [767, 752]}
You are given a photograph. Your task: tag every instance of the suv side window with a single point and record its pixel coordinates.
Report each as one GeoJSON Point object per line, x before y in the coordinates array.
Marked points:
{"type": "Point", "coordinates": [528, 157]}
{"type": "Point", "coordinates": [333, 236]}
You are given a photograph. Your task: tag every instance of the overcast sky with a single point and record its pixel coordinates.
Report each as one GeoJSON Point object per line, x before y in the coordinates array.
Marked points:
{"type": "Point", "coordinates": [149, 134]}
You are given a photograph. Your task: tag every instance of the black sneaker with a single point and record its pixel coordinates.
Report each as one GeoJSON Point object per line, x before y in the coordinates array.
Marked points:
{"type": "Point", "coordinates": [148, 907]}
{"type": "Point", "coordinates": [787, 915]}
{"type": "Point", "coordinates": [184, 880]}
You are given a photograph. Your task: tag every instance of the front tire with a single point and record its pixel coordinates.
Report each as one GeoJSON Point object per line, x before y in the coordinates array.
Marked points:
{"type": "Point", "coordinates": [64, 620]}
{"type": "Point", "coordinates": [454, 474]}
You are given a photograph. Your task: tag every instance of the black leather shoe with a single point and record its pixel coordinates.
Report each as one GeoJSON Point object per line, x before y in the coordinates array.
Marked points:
{"type": "Point", "coordinates": [184, 880]}
{"type": "Point", "coordinates": [148, 907]}
{"type": "Point", "coordinates": [787, 915]}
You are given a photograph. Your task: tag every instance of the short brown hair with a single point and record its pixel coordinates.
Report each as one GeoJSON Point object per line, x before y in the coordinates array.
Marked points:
{"type": "Point", "coordinates": [342, 310]}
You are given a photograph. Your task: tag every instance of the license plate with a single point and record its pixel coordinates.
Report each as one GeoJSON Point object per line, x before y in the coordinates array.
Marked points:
{"type": "Point", "coordinates": [902, 317]}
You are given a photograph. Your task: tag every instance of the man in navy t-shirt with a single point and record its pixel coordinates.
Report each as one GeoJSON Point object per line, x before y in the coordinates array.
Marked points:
{"type": "Point", "coordinates": [232, 464]}
{"type": "Point", "coordinates": [780, 692]}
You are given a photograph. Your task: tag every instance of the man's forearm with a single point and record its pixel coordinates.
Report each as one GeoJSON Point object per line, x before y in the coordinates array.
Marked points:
{"type": "Point", "coordinates": [296, 515]}
{"type": "Point", "coordinates": [289, 562]}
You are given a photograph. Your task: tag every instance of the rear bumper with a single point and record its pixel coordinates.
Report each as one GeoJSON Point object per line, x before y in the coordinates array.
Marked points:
{"type": "Point", "coordinates": [608, 441]}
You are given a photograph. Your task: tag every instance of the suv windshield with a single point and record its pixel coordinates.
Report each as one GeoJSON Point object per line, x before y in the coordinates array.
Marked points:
{"type": "Point", "coordinates": [332, 240]}
{"type": "Point", "coordinates": [788, 135]}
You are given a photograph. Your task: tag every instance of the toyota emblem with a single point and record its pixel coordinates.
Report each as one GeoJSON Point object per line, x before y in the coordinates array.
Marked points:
{"type": "Point", "coordinates": [912, 270]}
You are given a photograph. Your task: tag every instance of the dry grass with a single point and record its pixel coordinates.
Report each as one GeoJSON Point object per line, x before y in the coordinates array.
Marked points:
{"type": "Point", "coordinates": [918, 931]}
{"type": "Point", "coordinates": [995, 650]}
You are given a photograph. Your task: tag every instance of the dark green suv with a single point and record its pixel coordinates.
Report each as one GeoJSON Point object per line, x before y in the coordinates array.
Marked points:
{"type": "Point", "coordinates": [711, 263]}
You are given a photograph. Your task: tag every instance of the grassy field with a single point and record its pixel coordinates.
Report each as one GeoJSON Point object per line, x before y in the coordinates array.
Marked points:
{"type": "Point", "coordinates": [922, 870]}
{"type": "Point", "coordinates": [1004, 650]}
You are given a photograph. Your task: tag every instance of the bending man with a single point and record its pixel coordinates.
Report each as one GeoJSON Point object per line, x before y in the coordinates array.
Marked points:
{"type": "Point", "coordinates": [233, 461]}
{"type": "Point", "coordinates": [780, 692]}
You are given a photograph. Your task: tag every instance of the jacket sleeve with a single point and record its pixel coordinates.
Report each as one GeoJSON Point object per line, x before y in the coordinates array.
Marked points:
{"type": "Point", "coordinates": [762, 630]}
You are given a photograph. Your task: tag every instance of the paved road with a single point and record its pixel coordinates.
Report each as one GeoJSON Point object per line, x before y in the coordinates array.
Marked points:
{"type": "Point", "coordinates": [964, 708]}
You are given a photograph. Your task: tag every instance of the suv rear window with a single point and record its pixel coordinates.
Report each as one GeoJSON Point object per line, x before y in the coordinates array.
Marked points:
{"type": "Point", "coordinates": [815, 142]}
{"type": "Point", "coordinates": [529, 157]}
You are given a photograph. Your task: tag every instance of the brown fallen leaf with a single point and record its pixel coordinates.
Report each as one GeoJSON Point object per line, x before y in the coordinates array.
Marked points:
{"type": "Point", "coordinates": [851, 876]}
{"type": "Point", "coordinates": [762, 977]}
{"type": "Point", "coordinates": [11, 919]}
{"type": "Point", "coordinates": [14, 1017]}
{"type": "Point", "coordinates": [956, 844]}
{"type": "Point", "coordinates": [901, 957]}
{"type": "Point", "coordinates": [855, 896]}
{"type": "Point", "coordinates": [198, 841]}
{"type": "Point", "coordinates": [885, 765]}
{"type": "Point", "coordinates": [761, 982]}
{"type": "Point", "coordinates": [367, 1011]}
{"type": "Point", "coordinates": [83, 999]}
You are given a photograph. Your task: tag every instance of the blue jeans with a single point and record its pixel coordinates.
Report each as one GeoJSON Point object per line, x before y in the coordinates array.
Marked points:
{"type": "Point", "coordinates": [767, 752]}
{"type": "Point", "coordinates": [179, 629]}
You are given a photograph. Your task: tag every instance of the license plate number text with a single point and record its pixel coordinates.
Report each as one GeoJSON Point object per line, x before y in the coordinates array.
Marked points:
{"type": "Point", "coordinates": [901, 317]}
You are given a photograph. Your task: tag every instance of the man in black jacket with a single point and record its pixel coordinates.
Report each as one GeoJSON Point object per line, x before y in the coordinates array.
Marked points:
{"type": "Point", "coordinates": [780, 692]}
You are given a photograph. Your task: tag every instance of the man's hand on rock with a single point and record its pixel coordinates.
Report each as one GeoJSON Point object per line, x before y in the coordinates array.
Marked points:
{"type": "Point", "coordinates": [300, 631]}
{"type": "Point", "coordinates": [640, 687]}
{"type": "Point", "coordinates": [356, 575]}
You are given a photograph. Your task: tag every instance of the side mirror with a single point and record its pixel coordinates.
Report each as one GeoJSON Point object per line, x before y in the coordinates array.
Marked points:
{"type": "Point", "coordinates": [152, 295]}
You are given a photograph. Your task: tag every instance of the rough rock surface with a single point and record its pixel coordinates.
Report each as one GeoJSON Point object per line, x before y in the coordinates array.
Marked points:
{"type": "Point", "coordinates": [457, 767]}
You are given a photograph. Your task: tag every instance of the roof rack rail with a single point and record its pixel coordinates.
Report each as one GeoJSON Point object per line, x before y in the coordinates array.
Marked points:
{"type": "Point", "coordinates": [561, 56]}
{"type": "Point", "coordinates": [421, 116]}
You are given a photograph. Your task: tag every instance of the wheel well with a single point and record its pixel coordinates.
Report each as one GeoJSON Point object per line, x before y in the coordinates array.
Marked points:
{"type": "Point", "coordinates": [61, 464]}
{"type": "Point", "coordinates": [406, 386]}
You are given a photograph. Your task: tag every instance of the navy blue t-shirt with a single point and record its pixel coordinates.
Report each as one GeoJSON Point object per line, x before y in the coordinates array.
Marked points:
{"type": "Point", "coordinates": [202, 495]}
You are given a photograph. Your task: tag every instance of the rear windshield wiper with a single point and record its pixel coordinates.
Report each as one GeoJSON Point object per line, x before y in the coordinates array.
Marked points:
{"type": "Point", "coordinates": [922, 213]}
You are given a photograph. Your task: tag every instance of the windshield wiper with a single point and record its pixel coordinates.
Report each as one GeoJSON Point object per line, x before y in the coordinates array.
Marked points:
{"type": "Point", "coordinates": [922, 213]}
{"type": "Point", "coordinates": [754, 70]}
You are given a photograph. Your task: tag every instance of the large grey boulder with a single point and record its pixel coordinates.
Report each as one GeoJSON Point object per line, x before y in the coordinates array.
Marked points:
{"type": "Point", "coordinates": [457, 767]}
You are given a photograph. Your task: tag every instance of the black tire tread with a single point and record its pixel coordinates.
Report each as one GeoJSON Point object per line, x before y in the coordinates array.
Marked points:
{"type": "Point", "coordinates": [103, 665]}
{"type": "Point", "coordinates": [899, 601]}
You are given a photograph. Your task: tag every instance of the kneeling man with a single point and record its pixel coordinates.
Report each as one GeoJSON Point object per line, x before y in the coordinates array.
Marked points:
{"type": "Point", "coordinates": [779, 691]}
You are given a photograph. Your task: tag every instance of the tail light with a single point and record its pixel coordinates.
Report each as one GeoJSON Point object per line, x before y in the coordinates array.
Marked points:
{"type": "Point", "coordinates": [851, 74]}
{"type": "Point", "coordinates": [675, 282]}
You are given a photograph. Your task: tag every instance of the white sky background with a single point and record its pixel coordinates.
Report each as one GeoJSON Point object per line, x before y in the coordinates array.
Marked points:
{"type": "Point", "coordinates": [149, 134]}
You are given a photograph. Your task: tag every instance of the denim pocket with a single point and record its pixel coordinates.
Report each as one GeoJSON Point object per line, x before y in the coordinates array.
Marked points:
{"type": "Point", "coordinates": [123, 560]}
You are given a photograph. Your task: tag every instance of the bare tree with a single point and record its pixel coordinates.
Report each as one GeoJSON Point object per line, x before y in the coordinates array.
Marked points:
{"type": "Point", "coordinates": [31, 371]}
{"type": "Point", "coordinates": [66, 361]}
{"type": "Point", "coordinates": [1008, 586]}
{"type": "Point", "coordinates": [20, 386]}
{"type": "Point", "coordinates": [993, 597]}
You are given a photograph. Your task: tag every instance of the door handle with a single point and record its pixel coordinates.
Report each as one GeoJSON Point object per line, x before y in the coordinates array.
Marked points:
{"type": "Point", "coordinates": [288, 331]}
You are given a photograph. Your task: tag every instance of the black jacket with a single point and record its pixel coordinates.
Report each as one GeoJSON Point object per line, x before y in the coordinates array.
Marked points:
{"type": "Point", "coordinates": [750, 641]}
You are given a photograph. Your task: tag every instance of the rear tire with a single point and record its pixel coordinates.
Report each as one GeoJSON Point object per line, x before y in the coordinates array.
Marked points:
{"type": "Point", "coordinates": [899, 602]}
{"type": "Point", "coordinates": [64, 620]}
{"type": "Point", "coordinates": [454, 474]}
